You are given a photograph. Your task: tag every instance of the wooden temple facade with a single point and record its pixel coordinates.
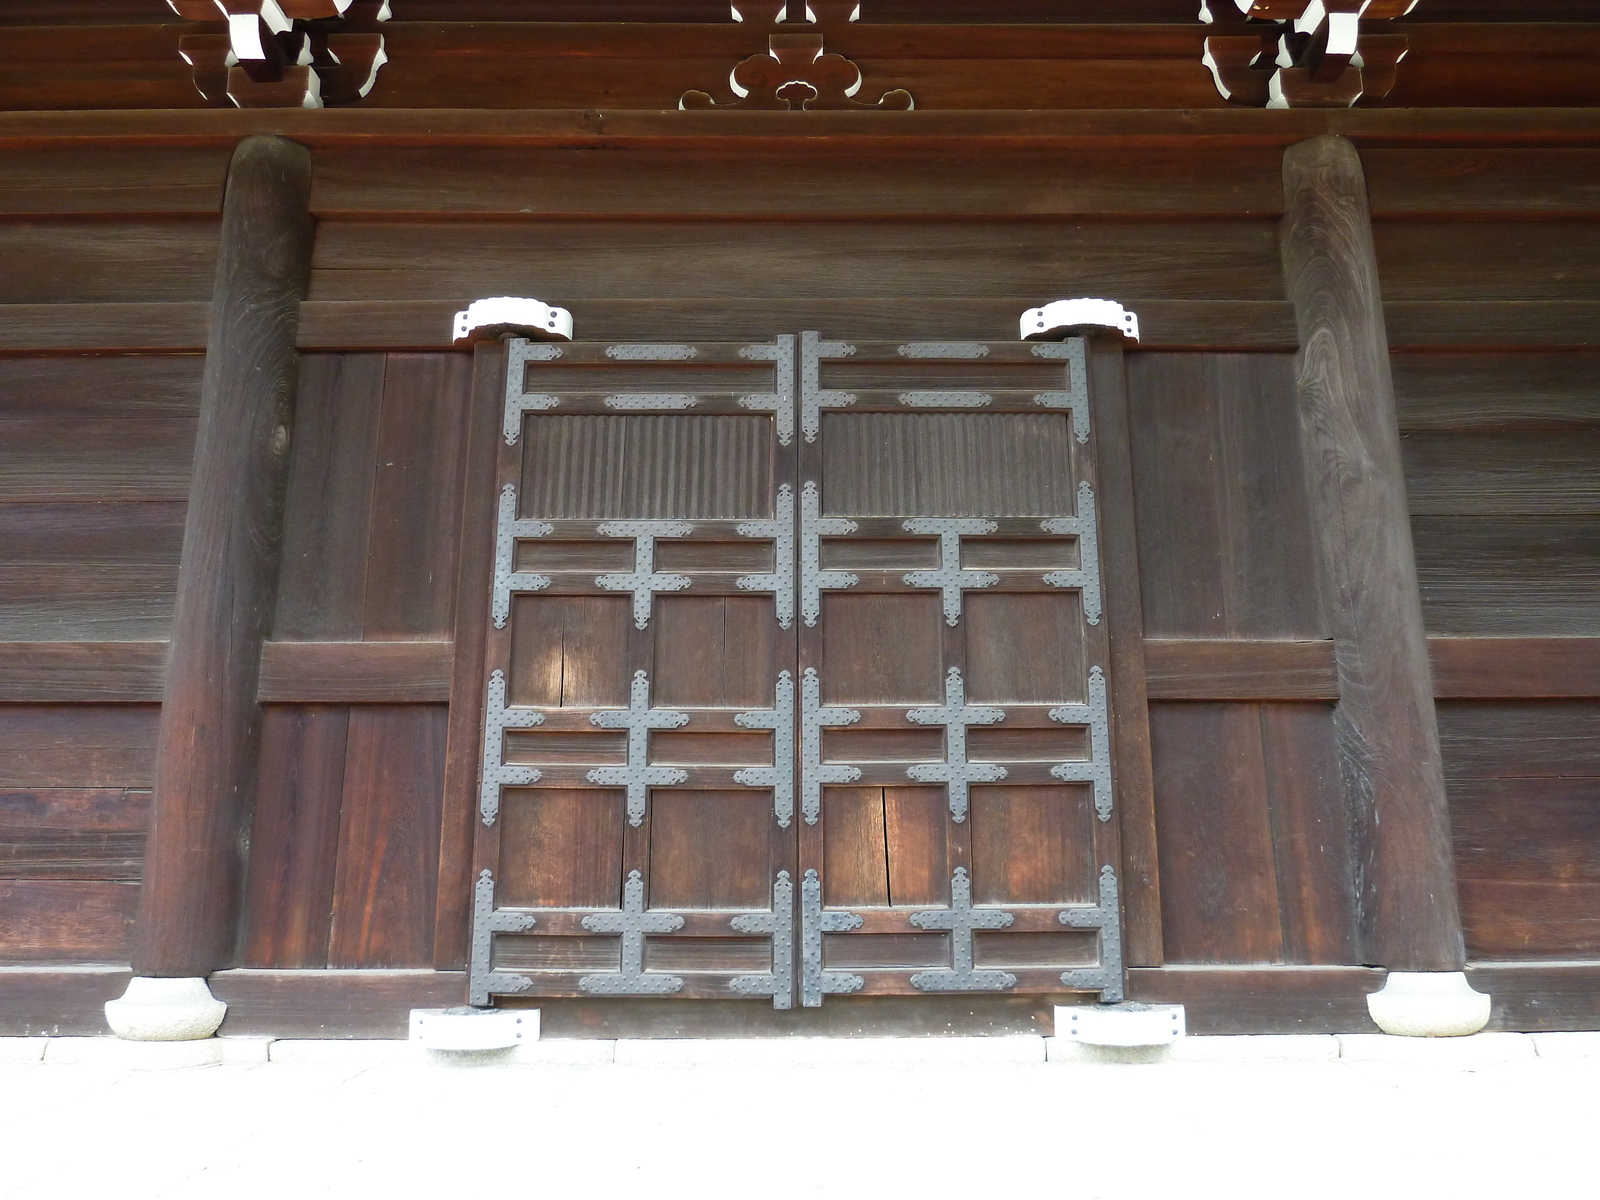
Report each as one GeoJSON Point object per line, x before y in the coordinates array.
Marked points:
{"type": "Point", "coordinates": [801, 641]}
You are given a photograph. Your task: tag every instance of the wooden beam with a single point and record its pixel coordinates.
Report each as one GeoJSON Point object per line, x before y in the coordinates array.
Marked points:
{"type": "Point", "coordinates": [1264, 999]}
{"type": "Point", "coordinates": [210, 722]}
{"type": "Point", "coordinates": [1388, 737]}
{"type": "Point", "coordinates": [1239, 670]}
{"type": "Point", "coordinates": [1130, 712]}
{"type": "Point", "coordinates": [82, 672]}
{"type": "Point", "coordinates": [355, 673]}
{"type": "Point", "coordinates": [1515, 668]}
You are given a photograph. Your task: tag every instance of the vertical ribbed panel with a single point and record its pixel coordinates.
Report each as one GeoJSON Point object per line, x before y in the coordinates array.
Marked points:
{"type": "Point", "coordinates": [594, 467]}
{"type": "Point", "coordinates": [947, 465]}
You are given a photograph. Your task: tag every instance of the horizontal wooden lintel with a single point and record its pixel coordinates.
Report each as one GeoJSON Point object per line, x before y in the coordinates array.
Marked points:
{"type": "Point", "coordinates": [1175, 669]}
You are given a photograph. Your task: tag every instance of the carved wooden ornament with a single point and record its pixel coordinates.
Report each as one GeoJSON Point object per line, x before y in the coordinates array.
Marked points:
{"type": "Point", "coordinates": [1304, 53]}
{"type": "Point", "coordinates": [794, 72]}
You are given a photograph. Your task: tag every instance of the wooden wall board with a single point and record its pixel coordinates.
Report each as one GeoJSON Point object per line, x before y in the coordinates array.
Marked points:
{"type": "Point", "coordinates": [322, 578]}
{"type": "Point", "coordinates": [1454, 182]}
{"type": "Point", "coordinates": [416, 498]}
{"type": "Point", "coordinates": [179, 325]}
{"type": "Point", "coordinates": [1510, 260]}
{"type": "Point", "coordinates": [1512, 739]}
{"type": "Point", "coordinates": [57, 1002]}
{"type": "Point", "coordinates": [1238, 669]}
{"type": "Point", "coordinates": [841, 1016]}
{"type": "Point", "coordinates": [63, 459]}
{"type": "Point", "coordinates": [1232, 1000]}
{"type": "Point", "coordinates": [1534, 473]}
{"type": "Point", "coordinates": [356, 672]}
{"type": "Point", "coordinates": [1515, 668]}
{"type": "Point", "coordinates": [331, 1004]}
{"type": "Point", "coordinates": [142, 385]}
{"type": "Point", "coordinates": [1509, 577]}
{"type": "Point", "coordinates": [294, 840]}
{"type": "Point", "coordinates": [82, 672]}
{"type": "Point", "coordinates": [1224, 535]}
{"type": "Point", "coordinates": [53, 261]}
{"type": "Point", "coordinates": [1540, 997]}
{"type": "Point", "coordinates": [385, 886]}
{"type": "Point", "coordinates": [519, 184]}
{"type": "Point", "coordinates": [425, 324]}
{"type": "Point", "coordinates": [59, 180]}
{"type": "Point", "coordinates": [77, 745]}
{"type": "Point", "coordinates": [66, 921]}
{"type": "Point", "coordinates": [73, 833]}
{"type": "Point", "coordinates": [575, 260]}
{"type": "Point", "coordinates": [1496, 393]}
{"type": "Point", "coordinates": [1253, 835]}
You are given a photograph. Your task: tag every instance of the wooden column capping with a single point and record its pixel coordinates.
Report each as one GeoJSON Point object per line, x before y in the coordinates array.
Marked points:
{"type": "Point", "coordinates": [1387, 733]}
{"type": "Point", "coordinates": [210, 721]}
{"type": "Point", "coordinates": [1119, 552]}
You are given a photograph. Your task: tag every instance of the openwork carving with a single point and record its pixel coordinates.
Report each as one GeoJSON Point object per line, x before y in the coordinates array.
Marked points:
{"type": "Point", "coordinates": [633, 923]}
{"type": "Point", "coordinates": [813, 772]}
{"type": "Point", "coordinates": [779, 925]}
{"type": "Point", "coordinates": [497, 718]}
{"type": "Point", "coordinates": [794, 72]}
{"type": "Point", "coordinates": [1098, 769]}
{"type": "Point", "coordinates": [779, 777]}
{"type": "Point", "coordinates": [285, 53]}
{"type": "Point", "coordinates": [638, 719]}
{"type": "Point", "coordinates": [482, 979]}
{"type": "Point", "coordinates": [962, 920]}
{"type": "Point", "coordinates": [814, 922]}
{"type": "Point", "coordinates": [1304, 53]}
{"type": "Point", "coordinates": [955, 715]}
{"type": "Point", "coordinates": [1107, 918]}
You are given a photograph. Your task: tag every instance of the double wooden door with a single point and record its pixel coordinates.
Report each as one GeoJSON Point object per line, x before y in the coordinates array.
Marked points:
{"type": "Point", "coordinates": [796, 675]}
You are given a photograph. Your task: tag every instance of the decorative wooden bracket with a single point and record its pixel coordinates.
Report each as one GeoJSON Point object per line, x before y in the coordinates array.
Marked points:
{"type": "Point", "coordinates": [285, 53]}
{"type": "Point", "coordinates": [1304, 53]}
{"type": "Point", "coordinates": [794, 73]}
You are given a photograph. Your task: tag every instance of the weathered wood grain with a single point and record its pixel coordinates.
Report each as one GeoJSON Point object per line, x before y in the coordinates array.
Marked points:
{"type": "Point", "coordinates": [206, 754]}
{"type": "Point", "coordinates": [1263, 999]}
{"type": "Point", "coordinates": [1194, 669]}
{"type": "Point", "coordinates": [76, 672]}
{"type": "Point", "coordinates": [1131, 735]}
{"type": "Point", "coordinates": [1387, 731]}
{"type": "Point", "coordinates": [1514, 668]}
{"type": "Point", "coordinates": [331, 1004]}
{"type": "Point", "coordinates": [355, 672]}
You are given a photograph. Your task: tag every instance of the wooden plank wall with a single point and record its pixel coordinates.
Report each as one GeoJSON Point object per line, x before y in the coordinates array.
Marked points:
{"type": "Point", "coordinates": [1499, 413]}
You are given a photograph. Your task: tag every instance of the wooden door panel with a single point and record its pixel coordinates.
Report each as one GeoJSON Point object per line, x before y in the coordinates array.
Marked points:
{"type": "Point", "coordinates": [784, 699]}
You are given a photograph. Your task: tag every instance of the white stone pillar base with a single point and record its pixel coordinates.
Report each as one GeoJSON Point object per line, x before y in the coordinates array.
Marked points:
{"type": "Point", "coordinates": [165, 1010]}
{"type": "Point", "coordinates": [1428, 1004]}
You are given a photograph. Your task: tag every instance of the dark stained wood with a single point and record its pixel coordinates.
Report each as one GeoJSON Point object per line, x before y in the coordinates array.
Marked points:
{"type": "Point", "coordinates": [386, 883]}
{"type": "Point", "coordinates": [713, 650]}
{"type": "Point", "coordinates": [210, 722]}
{"type": "Point", "coordinates": [77, 745]}
{"type": "Point", "coordinates": [1493, 393]}
{"type": "Point", "coordinates": [1131, 735]}
{"type": "Point", "coordinates": [355, 672]}
{"type": "Point", "coordinates": [586, 823]}
{"type": "Point", "coordinates": [66, 921]}
{"type": "Point", "coordinates": [881, 649]}
{"type": "Point", "coordinates": [322, 580]}
{"type": "Point", "coordinates": [1387, 732]}
{"type": "Point", "coordinates": [40, 1002]}
{"type": "Point", "coordinates": [916, 845]}
{"type": "Point", "coordinates": [416, 498]}
{"type": "Point", "coordinates": [45, 459]}
{"type": "Point", "coordinates": [97, 262]}
{"type": "Point", "coordinates": [1224, 548]}
{"type": "Point", "coordinates": [73, 833]}
{"type": "Point", "coordinates": [1263, 999]}
{"type": "Point", "coordinates": [1508, 668]}
{"type": "Point", "coordinates": [462, 182]}
{"type": "Point", "coordinates": [124, 385]}
{"type": "Point", "coordinates": [331, 1004]}
{"type": "Point", "coordinates": [710, 849]}
{"type": "Point", "coordinates": [1219, 885]}
{"type": "Point", "coordinates": [1491, 324]}
{"type": "Point", "coordinates": [1540, 997]}
{"type": "Point", "coordinates": [112, 180]}
{"type": "Point", "coordinates": [855, 862]}
{"type": "Point", "coordinates": [464, 738]}
{"type": "Point", "coordinates": [1509, 576]}
{"type": "Point", "coordinates": [1509, 260]}
{"type": "Point", "coordinates": [40, 672]}
{"type": "Point", "coordinates": [1310, 834]}
{"type": "Point", "coordinates": [88, 571]}
{"type": "Point", "coordinates": [1528, 739]}
{"type": "Point", "coordinates": [1201, 669]}
{"type": "Point", "coordinates": [1032, 845]}
{"type": "Point", "coordinates": [1457, 182]}
{"type": "Point", "coordinates": [1023, 648]}
{"type": "Point", "coordinates": [180, 325]}
{"type": "Point", "coordinates": [1164, 323]}
{"type": "Point", "coordinates": [1499, 475]}
{"type": "Point", "coordinates": [295, 836]}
